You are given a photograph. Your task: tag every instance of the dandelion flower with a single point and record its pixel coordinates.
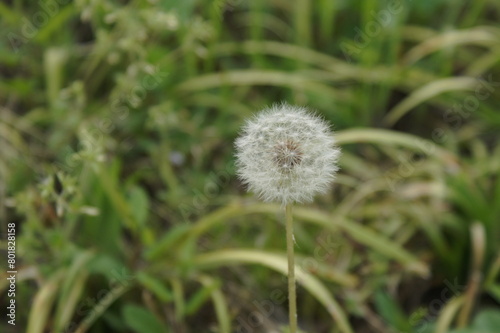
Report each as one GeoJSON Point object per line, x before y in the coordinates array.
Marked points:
{"type": "Point", "coordinates": [287, 154]}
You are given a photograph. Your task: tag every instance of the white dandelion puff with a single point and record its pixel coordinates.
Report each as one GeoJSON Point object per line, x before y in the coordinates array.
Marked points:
{"type": "Point", "coordinates": [287, 154]}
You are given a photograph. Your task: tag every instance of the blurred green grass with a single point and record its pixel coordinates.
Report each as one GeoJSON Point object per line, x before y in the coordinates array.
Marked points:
{"type": "Point", "coordinates": [116, 164]}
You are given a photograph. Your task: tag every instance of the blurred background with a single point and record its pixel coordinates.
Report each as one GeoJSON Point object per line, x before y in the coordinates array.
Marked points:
{"type": "Point", "coordinates": [117, 165]}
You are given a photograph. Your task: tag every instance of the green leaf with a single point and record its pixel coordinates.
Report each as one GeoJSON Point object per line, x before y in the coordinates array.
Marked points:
{"type": "Point", "coordinates": [156, 286]}
{"type": "Point", "coordinates": [200, 297]}
{"type": "Point", "coordinates": [391, 312]}
{"type": "Point", "coordinates": [100, 308]}
{"type": "Point", "coordinates": [487, 321]}
{"type": "Point", "coordinates": [139, 203]}
{"type": "Point", "coordinates": [141, 320]}
{"type": "Point", "coordinates": [110, 267]}
{"type": "Point", "coordinates": [494, 291]}
{"type": "Point", "coordinates": [170, 238]}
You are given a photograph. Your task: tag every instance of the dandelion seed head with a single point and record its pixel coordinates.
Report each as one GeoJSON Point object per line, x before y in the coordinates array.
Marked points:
{"type": "Point", "coordinates": [287, 154]}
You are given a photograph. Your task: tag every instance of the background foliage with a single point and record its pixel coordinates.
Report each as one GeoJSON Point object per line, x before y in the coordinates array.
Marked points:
{"type": "Point", "coordinates": [116, 131]}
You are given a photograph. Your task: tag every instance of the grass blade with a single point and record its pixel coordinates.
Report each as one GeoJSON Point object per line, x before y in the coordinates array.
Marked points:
{"type": "Point", "coordinates": [42, 303]}
{"type": "Point", "coordinates": [220, 304]}
{"type": "Point", "coordinates": [279, 263]}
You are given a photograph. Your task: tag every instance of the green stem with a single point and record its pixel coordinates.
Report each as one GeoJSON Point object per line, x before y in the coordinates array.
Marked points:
{"type": "Point", "coordinates": [292, 298]}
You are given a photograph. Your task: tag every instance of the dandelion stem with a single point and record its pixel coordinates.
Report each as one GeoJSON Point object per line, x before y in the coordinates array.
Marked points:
{"type": "Point", "coordinates": [292, 298]}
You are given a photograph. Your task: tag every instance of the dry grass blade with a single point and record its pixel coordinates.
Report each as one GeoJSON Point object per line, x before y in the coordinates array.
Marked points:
{"type": "Point", "coordinates": [359, 232]}
{"type": "Point", "coordinates": [279, 263]}
{"type": "Point", "coordinates": [220, 304]}
{"type": "Point", "coordinates": [365, 236]}
{"type": "Point", "coordinates": [101, 307]}
{"type": "Point", "coordinates": [448, 313]}
{"type": "Point", "coordinates": [42, 304]}
{"type": "Point", "coordinates": [428, 91]}
{"type": "Point", "coordinates": [257, 77]}
{"type": "Point", "coordinates": [393, 138]}
{"type": "Point", "coordinates": [477, 36]}
{"type": "Point", "coordinates": [484, 63]}
{"type": "Point", "coordinates": [71, 290]}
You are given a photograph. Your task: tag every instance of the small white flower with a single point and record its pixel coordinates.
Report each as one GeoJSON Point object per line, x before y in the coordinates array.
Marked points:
{"type": "Point", "coordinates": [287, 154]}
